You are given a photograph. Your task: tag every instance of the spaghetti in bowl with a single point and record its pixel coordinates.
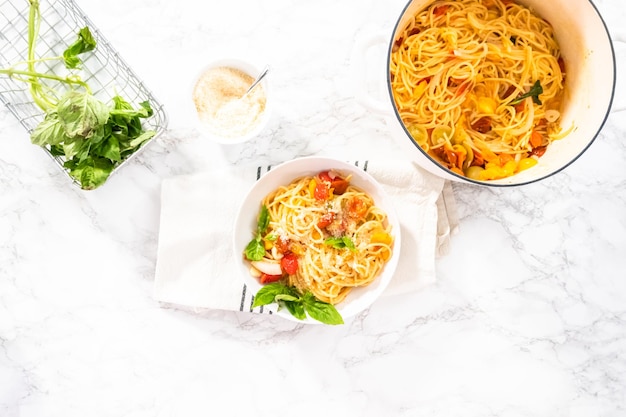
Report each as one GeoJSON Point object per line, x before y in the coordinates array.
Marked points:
{"type": "Point", "coordinates": [500, 92]}
{"type": "Point", "coordinates": [321, 234]}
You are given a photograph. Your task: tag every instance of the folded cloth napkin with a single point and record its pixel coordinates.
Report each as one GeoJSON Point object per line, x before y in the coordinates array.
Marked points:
{"type": "Point", "coordinates": [195, 262]}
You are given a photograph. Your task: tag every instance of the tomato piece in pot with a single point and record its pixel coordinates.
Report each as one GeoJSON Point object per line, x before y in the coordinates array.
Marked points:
{"type": "Point", "coordinates": [482, 125]}
{"type": "Point", "coordinates": [538, 151]}
{"type": "Point", "coordinates": [289, 263]}
{"type": "Point", "coordinates": [536, 139]}
{"type": "Point", "coordinates": [440, 10]}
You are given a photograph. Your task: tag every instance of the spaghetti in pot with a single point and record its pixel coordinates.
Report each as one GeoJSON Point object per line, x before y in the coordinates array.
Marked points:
{"type": "Point", "coordinates": [324, 236]}
{"type": "Point", "coordinates": [479, 85]}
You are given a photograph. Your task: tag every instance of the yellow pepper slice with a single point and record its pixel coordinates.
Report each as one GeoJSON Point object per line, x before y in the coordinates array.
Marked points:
{"type": "Point", "coordinates": [419, 89]}
{"type": "Point", "coordinates": [509, 168]}
{"type": "Point", "coordinates": [486, 105]}
{"type": "Point", "coordinates": [312, 186]}
{"type": "Point", "coordinates": [381, 237]}
{"type": "Point", "coordinates": [526, 163]}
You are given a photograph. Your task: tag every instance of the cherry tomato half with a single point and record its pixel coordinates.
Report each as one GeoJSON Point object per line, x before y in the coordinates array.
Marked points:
{"type": "Point", "coordinates": [325, 176]}
{"type": "Point", "coordinates": [266, 278]}
{"type": "Point", "coordinates": [321, 192]}
{"type": "Point", "coordinates": [326, 220]}
{"type": "Point", "coordinates": [289, 263]}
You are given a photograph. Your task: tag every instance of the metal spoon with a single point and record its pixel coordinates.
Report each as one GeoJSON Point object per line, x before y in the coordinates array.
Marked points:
{"type": "Point", "coordinates": [258, 80]}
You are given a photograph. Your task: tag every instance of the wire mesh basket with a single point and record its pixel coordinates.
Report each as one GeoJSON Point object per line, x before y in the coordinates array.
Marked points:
{"type": "Point", "coordinates": [103, 69]}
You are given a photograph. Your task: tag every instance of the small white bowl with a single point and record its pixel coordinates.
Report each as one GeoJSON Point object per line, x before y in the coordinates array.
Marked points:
{"type": "Point", "coordinates": [246, 220]}
{"type": "Point", "coordinates": [265, 115]}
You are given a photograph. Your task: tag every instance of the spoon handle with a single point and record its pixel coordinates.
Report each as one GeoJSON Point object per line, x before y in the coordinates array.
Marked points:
{"type": "Point", "coordinates": [258, 80]}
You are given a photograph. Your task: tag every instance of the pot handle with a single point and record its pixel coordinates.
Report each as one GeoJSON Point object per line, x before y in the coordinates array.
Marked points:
{"type": "Point", "coordinates": [369, 70]}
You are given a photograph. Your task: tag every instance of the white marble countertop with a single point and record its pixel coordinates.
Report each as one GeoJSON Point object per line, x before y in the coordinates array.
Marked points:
{"type": "Point", "coordinates": [527, 317]}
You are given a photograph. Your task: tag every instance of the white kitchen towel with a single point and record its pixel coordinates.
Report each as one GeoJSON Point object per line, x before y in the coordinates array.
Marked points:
{"type": "Point", "coordinates": [195, 262]}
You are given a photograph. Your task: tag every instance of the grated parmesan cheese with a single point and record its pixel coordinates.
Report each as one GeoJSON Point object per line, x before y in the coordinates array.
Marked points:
{"type": "Point", "coordinates": [221, 108]}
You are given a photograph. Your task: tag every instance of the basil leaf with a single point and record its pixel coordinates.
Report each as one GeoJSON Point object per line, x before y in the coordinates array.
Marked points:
{"type": "Point", "coordinates": [147, 107]}
{"type": "Point", "coordinates": [268, 293]}
{"type": "Point", "coordinates": [71, 147]}
{"type": "Point", "coordinates": [264, 220]}
{"type": "Point", "coordinates": [109, 149]}
{"type": "Point", "coordinates": [296, 309]}
{"type": "Point", "coordinates": [56, 150]}
{"type": "Point", "coordinates": [534, 92]}
{"type": "Point", "coordinates": [335, 242]}
{"type": "Point", "coordinates": [81, 114]}
{"type": "Point", "coordinates": [320, 311]}
{"type": "Point", "coordinates": [90, 172]}
{"type": "Point", "coordinates": [286, 297]}
{"type": "Point", "coordinates": [120, 104]}
{"type": "Point", "coordinates": [84, 43]}
{"type": "Point", "coordinates": [348, 243]}
{"type": "Point", "coordinates": [341, 243]}
{"type": "Point", "coordinates": [49, 132]}
{"type": "Point", "coordinates": [255, 251]}
{"type": "Point", "coordinates": [142, 138]}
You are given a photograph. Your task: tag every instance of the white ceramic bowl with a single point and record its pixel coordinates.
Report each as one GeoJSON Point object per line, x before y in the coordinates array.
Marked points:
{"type": "Point", "coordinates": [246, 220]}
{"type": "Point", "coordinates": [590, 86]}
{"type": "Point", "coordinates": [253, 72]}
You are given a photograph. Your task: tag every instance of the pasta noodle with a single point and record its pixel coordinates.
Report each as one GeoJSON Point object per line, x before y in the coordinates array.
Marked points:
{"type": "Point", "coordinates": [479, 84]}
{"type": "Point", "coordinates": [338, 237]}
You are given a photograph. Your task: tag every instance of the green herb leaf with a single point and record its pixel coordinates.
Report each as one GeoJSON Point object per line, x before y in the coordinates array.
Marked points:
{"type": "Point", "coordinates": [126, 120]}
{"type": "Point", "coordinates": [268, 293]}
{"type": "Point", "coordinates": [255, 251]}
{"type": "Point", "coordinates": [286, 297]}
{"type": "Point", "coordinates": [56, 150]}
{"type": "Point", "coordinates": [296, 309]}
{"type": "Point", "coordinates": [119, 103]}
{"type": "Point", "coordinates": [110, 149]}
{"type": "Point", "coordinates": [341, 243]}
{"type": "Point", "coordinates": [534, 92]}
{"type": "Point", "coordinates": [349, 243]}
{"type": "Point", "coordinates": [90, 172]}
{"type": "Point", "coordinates": [146, 105]}
{"type": "Point", "coordinates": [320, 311]}
{"type": "Point", "coordinates": [84, 43]}
{"type": "Point", "coordinates": [264, 220]}
{"type": "Point", "coordinates": [81, 114]}
{"type": "Point", "coordinates": [75, 149]}
{"type": "Point", "coordinates": [138, 141]}
{"type": "Point", "coordinates": [49, 132]}
{"type": "Point", "coordinates": [298, 305]}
